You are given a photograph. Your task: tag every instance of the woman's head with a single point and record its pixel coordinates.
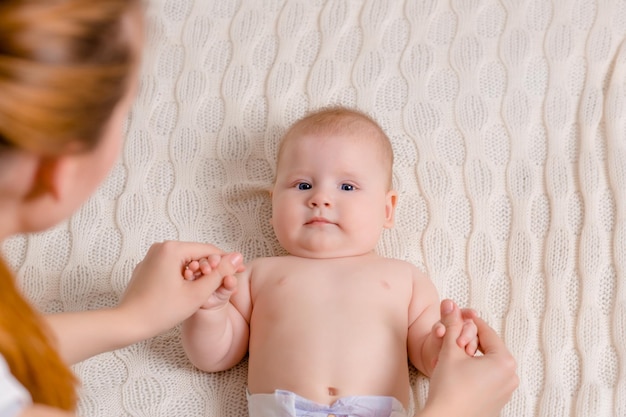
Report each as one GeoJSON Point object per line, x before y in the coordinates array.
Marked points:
{"type": "Point", "coordinates": [67, 75]}
{"type": "Point", "coordinates": [64, 66]}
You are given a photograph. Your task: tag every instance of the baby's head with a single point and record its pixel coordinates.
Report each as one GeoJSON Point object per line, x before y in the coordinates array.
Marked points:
{"type": "Point", "coordinates": [332, 194]}
{"type": "Point", "coordinates": [341, 121]}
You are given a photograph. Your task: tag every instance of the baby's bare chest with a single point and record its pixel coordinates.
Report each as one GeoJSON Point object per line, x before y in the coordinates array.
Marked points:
{"type": "Point", "coordinates": [334, 293]}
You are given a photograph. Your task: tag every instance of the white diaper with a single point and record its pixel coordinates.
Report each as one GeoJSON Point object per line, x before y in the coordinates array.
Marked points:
{"type": "Point", "coordinates": [287, 404]}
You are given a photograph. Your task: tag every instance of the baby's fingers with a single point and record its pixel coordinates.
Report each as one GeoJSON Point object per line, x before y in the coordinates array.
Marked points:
{"type": "Point", "coordinates": [211, 262]}
{"type": "Point", "coordinates": [472, 347]}
{"type": "Point", "coordinates": [191, 271]}
{"type": "Point", "coordinates": [469, 313]}
{"type": "Point", "coordinates": [208, 264]}
{"type": "Point", "coordinates": [230, 283]}
{"type": "Point", "coordinates": [196, 268]}
{"type": "Point", "coordinates": [214, 260]}
{"type": "Point", "coordinates": [468, 339]}
{"type": "Point", "coordinates": [439, 329]}
{"type": "Point", "coordinates": [227, 289]}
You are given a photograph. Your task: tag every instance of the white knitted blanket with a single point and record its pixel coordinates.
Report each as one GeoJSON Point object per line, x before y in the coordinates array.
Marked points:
{"type": "Point", "coordinates": [508, 121]}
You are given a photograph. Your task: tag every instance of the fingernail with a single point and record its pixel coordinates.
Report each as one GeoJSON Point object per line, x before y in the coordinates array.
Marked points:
{"type": "Point", "coordinates": [236, 259]}
{"type": "Point", "coordinates": [447, 306]}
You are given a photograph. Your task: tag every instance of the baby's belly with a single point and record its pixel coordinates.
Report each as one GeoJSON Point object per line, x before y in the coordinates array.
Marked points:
{"type": "Point", "coordinates": [325, 361]}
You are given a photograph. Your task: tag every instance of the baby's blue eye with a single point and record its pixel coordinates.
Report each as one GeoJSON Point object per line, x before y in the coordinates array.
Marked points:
{"type": "Point", "coordinates": [304, 186]}
{"type": "Point", "coordinates": [347, 187]}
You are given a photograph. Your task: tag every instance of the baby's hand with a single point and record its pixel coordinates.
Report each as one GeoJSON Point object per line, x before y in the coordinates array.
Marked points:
{"type": "Point", "coordinates": [204, 266]}
{"type": "Point", "coordinates": [468, 339]}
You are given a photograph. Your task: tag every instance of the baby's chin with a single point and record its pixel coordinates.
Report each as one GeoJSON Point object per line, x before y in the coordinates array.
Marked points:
{"type": "Point", "coordinates": [326, 253]}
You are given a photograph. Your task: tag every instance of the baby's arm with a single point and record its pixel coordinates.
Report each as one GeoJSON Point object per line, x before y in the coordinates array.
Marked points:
{"type": "Point", "coordinates": [423, 312]}
{"type": "Point", "coordinates": [424, 338]}
{"type": "Point", "coordinates": [215, 338]}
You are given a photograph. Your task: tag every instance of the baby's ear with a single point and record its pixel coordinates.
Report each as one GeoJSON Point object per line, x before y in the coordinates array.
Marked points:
{"type": "Point", "coordinates": [391, 199]}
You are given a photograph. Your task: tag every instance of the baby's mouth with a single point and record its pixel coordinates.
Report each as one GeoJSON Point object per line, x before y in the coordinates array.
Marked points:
{"type": "Point", "coordinates": [318, 220]}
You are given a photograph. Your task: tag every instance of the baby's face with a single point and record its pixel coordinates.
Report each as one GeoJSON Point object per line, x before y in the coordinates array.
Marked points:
{"type": "Point", "coordinates": [331, 197]}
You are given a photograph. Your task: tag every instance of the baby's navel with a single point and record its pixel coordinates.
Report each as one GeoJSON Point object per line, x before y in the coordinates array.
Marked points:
{"type": "Point", "coordinates": [332, 391]}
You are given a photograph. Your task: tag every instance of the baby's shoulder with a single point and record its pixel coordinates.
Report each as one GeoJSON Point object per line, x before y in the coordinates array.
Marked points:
{"type": "Point", "coordinates": [265, 265]}
{"type": "Point", "coordinates": [396, 263]}
{"type": "Point", "coordinates": [266, 261]}
{"type": "Point", "coordinates": [402, 267]}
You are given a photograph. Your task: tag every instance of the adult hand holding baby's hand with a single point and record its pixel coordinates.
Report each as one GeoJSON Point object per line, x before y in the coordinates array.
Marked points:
{"type": "Point", "coordinates": [204, 266]}
{"type": "Point", "coordinates": [468, 339]}
{"type": "Point", "coordinates": [158, 297]}
{"type": "Point", "coordinates": [463, 386]}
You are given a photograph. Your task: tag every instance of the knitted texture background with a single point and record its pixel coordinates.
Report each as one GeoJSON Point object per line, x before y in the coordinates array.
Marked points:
{"type": "Point", "coordinates": [508, 121]}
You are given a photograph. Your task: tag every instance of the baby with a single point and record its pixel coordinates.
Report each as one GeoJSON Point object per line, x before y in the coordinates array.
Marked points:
{"type": "Point", "coordinates": [328, 327]}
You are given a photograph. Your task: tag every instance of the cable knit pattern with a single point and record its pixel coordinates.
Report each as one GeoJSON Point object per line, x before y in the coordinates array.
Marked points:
{"type": "Point", "coordinates": [508, 120]}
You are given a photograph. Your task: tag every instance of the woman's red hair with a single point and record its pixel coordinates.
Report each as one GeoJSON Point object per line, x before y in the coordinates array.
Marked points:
{"type": "Point", "coordinates": [64, 67]}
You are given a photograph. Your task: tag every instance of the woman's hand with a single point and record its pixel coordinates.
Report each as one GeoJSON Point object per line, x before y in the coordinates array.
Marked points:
{"type": "Point", "coordinates": [160, 297]}
{"type": "Point", "coordinates": [205, 266]}
{"type": "Point", "coordinates": [463, 386]}
{"type": "Point", "coordinates": [157, 298]}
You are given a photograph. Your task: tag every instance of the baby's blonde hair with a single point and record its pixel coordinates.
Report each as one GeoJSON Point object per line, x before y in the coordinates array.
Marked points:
{"type": "Point", "coordinates": [338, 120]}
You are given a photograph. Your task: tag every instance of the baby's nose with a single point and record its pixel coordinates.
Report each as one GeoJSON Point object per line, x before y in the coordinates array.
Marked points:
{"type": "Point", "coordinates": [319, 199]}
